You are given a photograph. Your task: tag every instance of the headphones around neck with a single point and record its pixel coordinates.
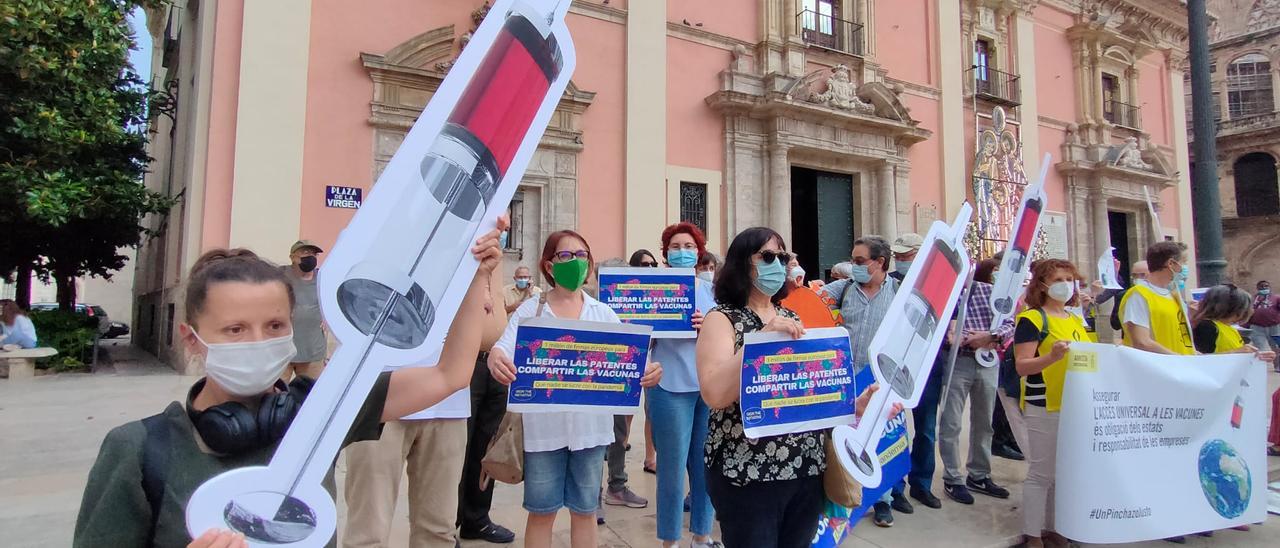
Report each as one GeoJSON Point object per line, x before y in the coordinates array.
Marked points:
{"type": "Point", "coordinates": [231, 428]}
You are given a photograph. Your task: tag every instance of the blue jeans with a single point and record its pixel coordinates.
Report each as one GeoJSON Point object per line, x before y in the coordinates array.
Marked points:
{"type": "Point", "coordinates": [563, 478]}
{"type": "Point", "coordinates": [679, 432]}
{"type": "Point", "coordinates": [925, 420]}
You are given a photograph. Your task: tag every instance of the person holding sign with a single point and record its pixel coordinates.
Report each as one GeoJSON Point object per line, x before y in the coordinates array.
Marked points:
{"type": "Point", "coordinates": [563, 451]}
{"type": "Point", "coordinates": [677, 413]}
{"type": "Point", "coordinates": [1041, 339]}
{"type": "Point", "coordinates": [766, 491]}
{"type": "Point", "coordinates": [238, 324]}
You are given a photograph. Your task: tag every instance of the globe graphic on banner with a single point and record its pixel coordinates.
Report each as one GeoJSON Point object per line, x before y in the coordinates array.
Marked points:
{"type": "Point", "coordinates": [1225, 478]}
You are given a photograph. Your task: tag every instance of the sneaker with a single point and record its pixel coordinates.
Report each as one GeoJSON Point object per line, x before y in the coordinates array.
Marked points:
{"type": "Point", "coordinates": [901, 504]}
{"type": "Point", "coordinates": [625, 497]}
{"type": "Point", "coordinates": [1006, 452]}
{"type": "Point", "coordinates": [882, 515]}
{"type": "Point", "coordinates": [491, 533]}
{"type": "Point", "coordinates": [987, 487]}
{"type": "Point", "coordinates": [707, 544]}
{"type": "Point", "coordinates": [926, 498]}
{"type": "Point", "coordinates": [958, 493]}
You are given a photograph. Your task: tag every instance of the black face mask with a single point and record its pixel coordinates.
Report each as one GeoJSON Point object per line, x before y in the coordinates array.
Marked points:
{"type": "Point", "coordinates": [307, 264]}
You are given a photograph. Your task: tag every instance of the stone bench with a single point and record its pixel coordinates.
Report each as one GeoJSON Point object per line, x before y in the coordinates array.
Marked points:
{"type": "Point", "coordinates": [21, 364]}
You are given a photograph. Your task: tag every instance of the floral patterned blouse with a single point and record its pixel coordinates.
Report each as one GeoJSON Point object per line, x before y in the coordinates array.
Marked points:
{"type": "Point", "coordinates": [742, 460]}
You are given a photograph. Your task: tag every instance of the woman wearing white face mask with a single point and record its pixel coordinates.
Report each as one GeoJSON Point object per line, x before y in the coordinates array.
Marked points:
{"type": "Point", "coordinates": [1041, 339]}
{"type": "Point", "coordinates": [708, 265]}
{"type": "Point", "coordinates": [238, 323]}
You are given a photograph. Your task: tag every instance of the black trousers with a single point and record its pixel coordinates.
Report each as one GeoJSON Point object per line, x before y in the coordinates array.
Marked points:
{"type": "Point", "coordinates": [767, 514]}
{"type": "Point", "coordinates": [488, 405]}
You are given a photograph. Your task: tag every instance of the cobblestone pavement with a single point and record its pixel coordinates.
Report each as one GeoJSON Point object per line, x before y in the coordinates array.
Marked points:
{"type": "Point", "coordinates": [53, 425]}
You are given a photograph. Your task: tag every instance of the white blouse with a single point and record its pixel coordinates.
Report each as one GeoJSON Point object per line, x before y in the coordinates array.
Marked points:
{"type": "Point", "coordinates": [551, 431]}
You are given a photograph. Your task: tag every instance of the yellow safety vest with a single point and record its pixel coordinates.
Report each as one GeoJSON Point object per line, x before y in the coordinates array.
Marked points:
{"type": "Point", "coordinates": [1168, 323]}
{"type": "Point", "coordinates": [1071, 328]}
{"type": "Point", "coordinates": [1229, 340]}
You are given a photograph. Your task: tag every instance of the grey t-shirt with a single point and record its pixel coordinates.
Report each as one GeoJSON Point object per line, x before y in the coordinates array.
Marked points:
{"type": "Point", "coordinates": [308, 333]}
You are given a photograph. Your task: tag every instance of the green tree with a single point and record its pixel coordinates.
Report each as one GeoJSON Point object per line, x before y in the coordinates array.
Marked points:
{"type": "Point", "coordinates": [72, 140]}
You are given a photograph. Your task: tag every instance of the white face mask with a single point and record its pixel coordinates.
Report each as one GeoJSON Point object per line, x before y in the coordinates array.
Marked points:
{"type": "Point", "coordinates": [248, 369]}
{"type": "Point", "coordinates": [797, 275]}
{"type": "Point", "coordinates": [707, 276]}
{"type": "Point", "coordinates": [1062, 291]}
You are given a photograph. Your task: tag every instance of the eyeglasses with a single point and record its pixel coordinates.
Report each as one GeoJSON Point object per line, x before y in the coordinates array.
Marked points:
{"type": "Point", "coordinates": [564, 256]}
{"type": "Point", "coordinates": [770, 256]}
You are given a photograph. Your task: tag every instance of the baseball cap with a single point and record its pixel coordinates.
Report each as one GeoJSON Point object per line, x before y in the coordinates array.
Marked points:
{"type": "Point", "coordinates": [907, 243]}
{"type": "Point", "coordinates": [304, 243]}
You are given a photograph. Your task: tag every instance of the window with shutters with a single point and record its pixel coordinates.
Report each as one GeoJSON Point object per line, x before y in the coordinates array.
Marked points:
{"type": "Point", "coordinates": [1249, 86]}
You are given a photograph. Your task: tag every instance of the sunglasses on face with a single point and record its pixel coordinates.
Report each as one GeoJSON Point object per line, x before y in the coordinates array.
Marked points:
{"type": "Point", "coordinates": [770, 256]}
{"type": "Point", "coordinates": [647, 262]}
{"type": "Point", "coordinates": [564, 256]}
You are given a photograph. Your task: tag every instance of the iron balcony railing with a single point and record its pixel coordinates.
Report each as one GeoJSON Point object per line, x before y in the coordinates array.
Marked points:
{"type": "Point", "coordinates": [995, 85]}
{"type": "Point", "coordinates": [1122, 114]}
{"type": "Point", "coordinates": [829, 32]}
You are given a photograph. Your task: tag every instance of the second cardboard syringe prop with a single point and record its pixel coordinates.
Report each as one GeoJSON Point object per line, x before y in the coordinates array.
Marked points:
{"type": "Point", "coordinates": [1015, 267]}
{"type": "Point", "coordinates": [393, 282]}
{"type": "Point", "coordinates": [904, 347]}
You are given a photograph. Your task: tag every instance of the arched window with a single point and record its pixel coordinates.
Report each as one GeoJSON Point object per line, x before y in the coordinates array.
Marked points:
{"type": "Point", "coordinates": [1249, 86]}
{"type": "Point", "coordinates": [1257, 191]}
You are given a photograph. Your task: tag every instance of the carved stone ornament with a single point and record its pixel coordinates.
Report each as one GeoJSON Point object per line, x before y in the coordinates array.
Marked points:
{"type": "Point", "coordinates": [477, 16]}
{"type": "Point", "coordinates": [842, 93]}
{"type": "Point", "coordinates": [1131, 156]}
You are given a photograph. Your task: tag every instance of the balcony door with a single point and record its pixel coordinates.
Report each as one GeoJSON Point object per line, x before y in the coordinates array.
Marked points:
{"type": "Point", "coordinates": [818, 19]}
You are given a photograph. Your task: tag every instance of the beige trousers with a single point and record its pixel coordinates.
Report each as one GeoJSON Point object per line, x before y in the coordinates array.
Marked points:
{"type": "Point", "coordinates": [1042, 459]}
{"type": "Point", "coordinates": [432, 453]}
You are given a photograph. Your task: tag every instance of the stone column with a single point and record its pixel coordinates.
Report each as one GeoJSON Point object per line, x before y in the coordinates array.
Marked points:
{"type": "Point", "coordinates": [887, 201]}
{"type": "Point", "coordinates": [1029, 112]}
{"type": "Point", "coordinates": [780, 191]}
{"type": "Point", "coordinates": [1101, 229]}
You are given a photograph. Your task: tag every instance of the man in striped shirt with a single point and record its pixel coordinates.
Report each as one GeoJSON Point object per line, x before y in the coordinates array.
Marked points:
{"type": "Point", "coordinates": [970, 380]}
{"type": "Point", "coordinates": [862, 301]}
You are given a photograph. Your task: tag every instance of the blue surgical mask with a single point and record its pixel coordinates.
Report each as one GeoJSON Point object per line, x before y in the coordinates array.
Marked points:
{"type": "Point", "coordinates": [902, 267]}
{"type": "Point", "coordinates": [1264, 292]}
{"type": "Point", "coordinates": [682, 258]}
{"type": "Point", "coordinates": [522, 283]}
{"type": "Point", "coordinates": [503, 239]}
{"type": "Point", "coordinates": [770, 276]}
{"type": "Point", "coordinates": [861, 273]}
{"type": "Point", "coordinates": [1180, 277]}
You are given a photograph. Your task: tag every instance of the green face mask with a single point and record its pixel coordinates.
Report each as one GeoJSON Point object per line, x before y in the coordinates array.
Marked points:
{"type": "Point", "coordinates": [570, 274]}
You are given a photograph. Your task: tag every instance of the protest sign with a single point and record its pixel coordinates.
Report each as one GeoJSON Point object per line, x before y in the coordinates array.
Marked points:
{"type": "Point", "coordinates": [907, 341]}
{"type": "Point", "coordinates": [574, 365]}
{"type": "Point", "coordinates": [661, 298]}
{"type": "Point", "coordinates": [394, 280]}
{"type": "Point", "coordinates": [796, 385]}
{"type": "Point", "coordinates": [1153, 446]}
{"type": "Point", "coordinates": [1107, 270]}
{"type": "Point", "coordinates": [837, 521]}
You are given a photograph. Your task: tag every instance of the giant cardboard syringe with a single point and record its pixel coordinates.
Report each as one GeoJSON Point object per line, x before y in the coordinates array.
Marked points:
{"type": "Point", "coordinates": [391, 285]}
{"type": "Point", "coordinates": [1015, 267]}
{"type": "Point", "coordinates": [904, 347]}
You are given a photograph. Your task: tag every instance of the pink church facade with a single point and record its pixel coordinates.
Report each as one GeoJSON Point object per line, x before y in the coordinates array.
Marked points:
{"type": "Point", "coordinates": [823, 119]}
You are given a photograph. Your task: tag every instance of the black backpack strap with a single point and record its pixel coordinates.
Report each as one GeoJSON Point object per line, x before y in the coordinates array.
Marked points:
{"type": "Point", "coordinates": [1044, 324]}
{"type": "Point", "coordinates": [1116, 325]}
{"type": "Point", "coordinates": [155, 465]}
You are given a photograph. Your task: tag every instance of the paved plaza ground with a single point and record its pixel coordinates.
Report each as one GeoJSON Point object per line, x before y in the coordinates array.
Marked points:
{"type": "Point", "coordinates": [51, 428]}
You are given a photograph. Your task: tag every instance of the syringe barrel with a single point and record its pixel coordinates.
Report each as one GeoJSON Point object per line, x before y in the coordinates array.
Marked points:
{"type": "Point", "coordinates": [460, 175]}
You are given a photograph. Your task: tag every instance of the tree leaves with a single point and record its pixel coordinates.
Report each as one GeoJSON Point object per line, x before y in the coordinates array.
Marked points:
{"type": "Point", "coordinates": [72, 153]}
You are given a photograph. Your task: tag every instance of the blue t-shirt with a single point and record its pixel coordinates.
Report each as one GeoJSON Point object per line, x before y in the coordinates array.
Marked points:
{"type": "Point", "coordinates": [679, 369]}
